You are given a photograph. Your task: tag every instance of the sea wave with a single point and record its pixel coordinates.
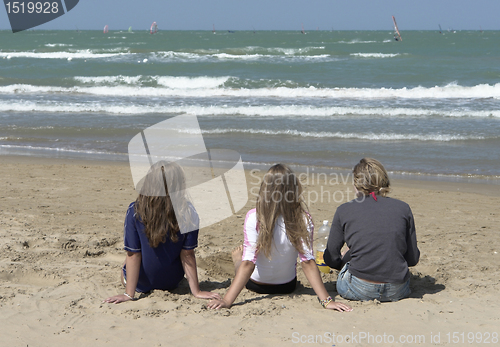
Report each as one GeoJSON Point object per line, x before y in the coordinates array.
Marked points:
{"type": "Point", "coordinates": [248, 111]}
{"type": "Point", "coordinates": [224, 56]}
{"type": "Point", "coordinates": [450, 91]}
{"type": "Point", "coordinates": [355, 41]}
{"type": "Point", "coordinates": [58, 149]}
{"type": "Point", "coordinates": [339, 135]}
{"type": "Point", "coordinates": [58, 45]}
{"type": "Point", "coordinates": [173, 82]}
{"type": "Point", "coordinates": [375, 55]}
{"type": "Point", "coordinates": [81, 54]}
{"type": "Point", "coordinates": [260, 50]}
{"type": "Point", "coordinates": [280, 55]}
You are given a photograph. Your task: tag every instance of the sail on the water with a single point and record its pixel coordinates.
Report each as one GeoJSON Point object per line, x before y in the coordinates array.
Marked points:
{"type": "Point", "coordinates": [397, 35]}
{"type": "Point", "coordinates": [129, 29]}
{"type": "Point", "coordinates": [154, 28]}
{"type": "Point", "coordinates": [213, 28]}
{"type": "Point", "coordinates": [105, 31]}
{"type": "Point", "coordinates": [302, 31]}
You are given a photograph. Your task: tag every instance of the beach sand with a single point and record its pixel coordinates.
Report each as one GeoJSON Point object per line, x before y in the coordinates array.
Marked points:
{"type": "Point", "coordinates": [61, 239]}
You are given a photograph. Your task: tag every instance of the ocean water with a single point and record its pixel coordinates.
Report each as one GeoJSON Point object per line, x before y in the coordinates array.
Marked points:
{"type": "Point", "coordinates": [429, 105]}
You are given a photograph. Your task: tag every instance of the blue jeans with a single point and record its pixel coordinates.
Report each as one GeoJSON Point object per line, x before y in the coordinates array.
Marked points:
{"type": "Point", "coordinates": [352, 288]}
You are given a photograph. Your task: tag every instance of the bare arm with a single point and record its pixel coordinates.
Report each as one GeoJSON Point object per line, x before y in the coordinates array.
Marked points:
{"type": "Point", "coordinates": [242, 276]}
{"type": "Point", "coordinates": [133, 266]}
{"type": "Point", "coordinates": [312, 273]}
{"type": "Point", "coordinates": [188, 260]}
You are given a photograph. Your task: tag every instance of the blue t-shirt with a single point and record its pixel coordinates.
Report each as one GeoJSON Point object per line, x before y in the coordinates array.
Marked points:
{"type": "Point", "coordinates": [161, 267]}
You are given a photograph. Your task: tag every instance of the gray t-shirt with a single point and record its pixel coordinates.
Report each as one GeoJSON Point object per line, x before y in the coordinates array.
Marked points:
{"type": "Point", "coordinates": [381, 238]}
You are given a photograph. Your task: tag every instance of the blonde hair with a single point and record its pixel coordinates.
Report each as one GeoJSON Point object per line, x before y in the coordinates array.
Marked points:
{"type": "Point", "coordinates": [154, 206]}
{"type": "Point", "coordinates": [370, 176]}
{"type": "Point", "coordinates": [281, 195]}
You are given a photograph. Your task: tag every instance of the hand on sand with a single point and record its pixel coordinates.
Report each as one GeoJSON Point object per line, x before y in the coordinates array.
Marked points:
{"type": "Point", "coordinates": [117, 299]}
{"type": "Point", "coordinates": [218, 303]}
{"type": "Point", "coordinates": [339, 306]}
{"type": "Point", "coordinates": [207, 295]}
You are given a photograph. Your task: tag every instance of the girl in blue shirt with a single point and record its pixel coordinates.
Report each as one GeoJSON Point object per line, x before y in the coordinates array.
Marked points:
{"type": "Point", "coordinates": [158, 238]}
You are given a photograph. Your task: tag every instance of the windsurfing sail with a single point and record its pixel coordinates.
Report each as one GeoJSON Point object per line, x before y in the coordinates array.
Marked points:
{"type": "Point", "coordinates": [302, 31]}
{"type": "Point", "coordinates": [213, 28]}
{"type": "Point", "coordinates": [129, 29]}
{"type": "Point", "coordinates": [398, 37]}
{"type": "Point", "coordinates": [154, 28]}
{"type": "Point", "coordinates": [440, 30]}
{"type": "Point", "coordinates": [105, 31]}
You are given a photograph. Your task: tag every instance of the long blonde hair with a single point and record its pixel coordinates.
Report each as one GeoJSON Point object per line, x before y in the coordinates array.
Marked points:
{"type": "Point", "coordinates": [154, 206]}
{"type": "Point", "coordinates": [370, 176]}
{"type": "Point", "coordinates": [281, 195]}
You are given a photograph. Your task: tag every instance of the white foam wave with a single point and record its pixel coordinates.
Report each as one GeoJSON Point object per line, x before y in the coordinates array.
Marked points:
{"type": "Point", "coordinates": [375, 55]}
{"type": "Point", "coordinates": [449, 91]}
{"type": "Point", "coordinates": [163, 56]}
{"type": "Point", "coordinates": [56, 149]}
{"type": "Point", "coordinates": [173, 82]}
{"type": "Point", "coordinates": [259, 49]}
{"type": "Point", "coordinates": [340, 135]}
{"type": "Point", "coordinates": [82, 54]}
{"type": "Point", "coordinates": [108, 79]}
{"type": "Point", "coordinates": [293, 51]}
{"type": "Point", "coordinates": [167, 55]}
{"type": "Point", "coordinates": [248, 111]}
{"type": "Point", "coordinates": [353, 42]}
{"type": "Point", "coordinates": [58, 45]}
{"type": "Point", "coordinates": [191, 82]}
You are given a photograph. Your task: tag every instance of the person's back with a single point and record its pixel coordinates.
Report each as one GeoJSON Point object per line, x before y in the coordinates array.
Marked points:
{"type": "Point", "coordinates": [275, 232]}
{"type": "Point", "coordinates": [157, 261]}
{"type": "Point", "coordinates": [381, 239]}
{"type": "Point", "coordinates": [281, 266]}
{"type": "Point", "coordinates": [160, 238]}
{"type": "Point", "coordinates": [379, 234]}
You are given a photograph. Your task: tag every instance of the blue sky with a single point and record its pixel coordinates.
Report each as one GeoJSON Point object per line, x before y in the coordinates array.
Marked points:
{"type": "Point", "coordinates": [277, 14]}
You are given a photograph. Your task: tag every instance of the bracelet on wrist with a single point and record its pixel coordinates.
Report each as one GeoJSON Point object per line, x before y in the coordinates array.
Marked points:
{"type": "Point", "coordinates": [128, 296]}
{"type": "Point", "coordinates": [325, 302]}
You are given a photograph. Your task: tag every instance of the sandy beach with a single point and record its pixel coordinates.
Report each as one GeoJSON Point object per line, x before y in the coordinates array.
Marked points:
{"type": "Point", "coordinates": [61, 248]}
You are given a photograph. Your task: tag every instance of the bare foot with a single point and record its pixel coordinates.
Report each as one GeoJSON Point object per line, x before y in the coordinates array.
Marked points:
{"type": "Point", "coordinates": [237, 254]}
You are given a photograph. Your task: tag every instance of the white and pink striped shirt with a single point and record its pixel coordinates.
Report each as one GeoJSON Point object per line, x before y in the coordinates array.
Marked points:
{"type": "Point", "coordinates": [282, 268]}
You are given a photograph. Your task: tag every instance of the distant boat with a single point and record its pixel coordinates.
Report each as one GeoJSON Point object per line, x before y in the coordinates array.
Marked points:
{"type": "Point", "coordinates": [480, 29]}
{"type": "Point", "coordinates": [231, 31]}
{"type": "Point", "coordinates": [105, 31]}
{"type": "Point", "coordinates": [213, 29]}
{"type": "Point", "coordinates": [440, 30]}
{"type": "Point", "coordinates": [397, 35]}
{"type": "Point", "coordinates": [302, 31]}
{"type": "Point", "coordinates": [129, 29]}
{"type": "Point", "coordinates": [154, 28]}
